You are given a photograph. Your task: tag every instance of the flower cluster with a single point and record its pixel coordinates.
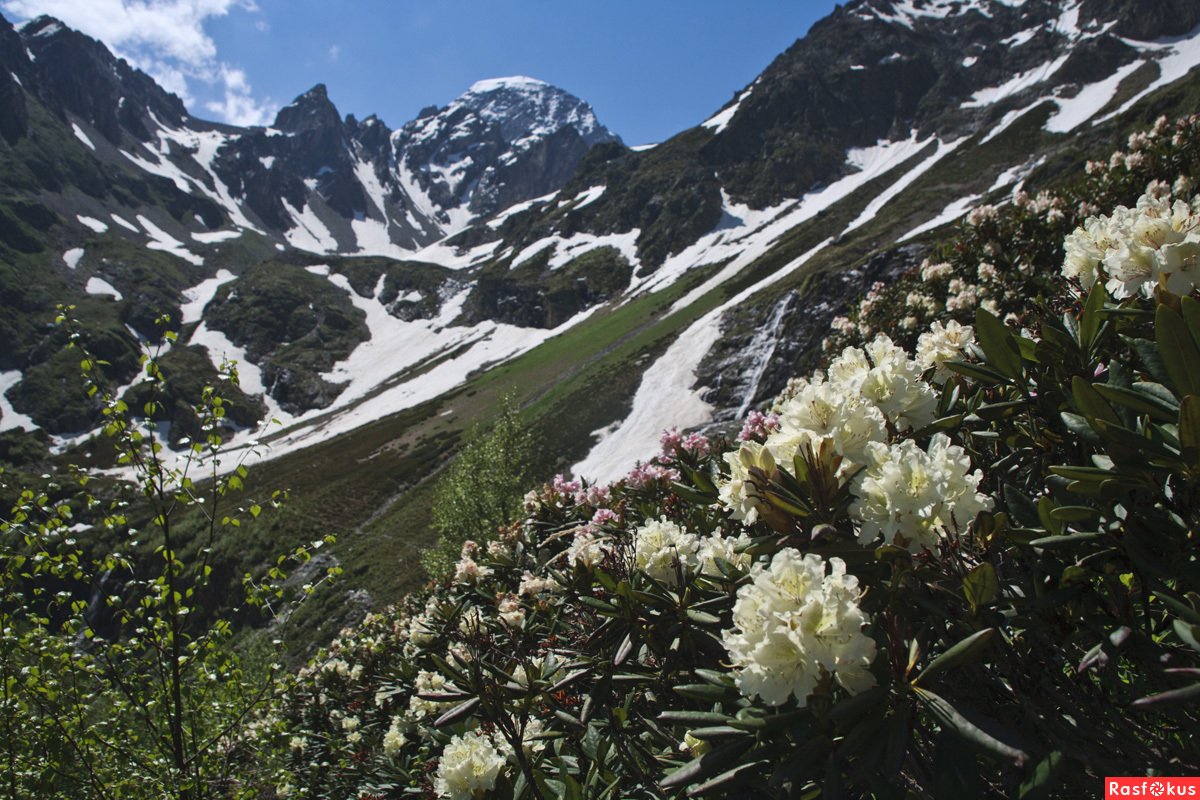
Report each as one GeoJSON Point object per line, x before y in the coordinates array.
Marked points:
{"type": "Point", "coordinates": [868, 396]}
{"type": "Point", "coordinates": [910, 497]}
{"type": "Point", "coordinates": [794, 624]}
{"type": "Point", "coordinates": [469, 766]}
{"type": "Point", "coordinates": [1155, 243]}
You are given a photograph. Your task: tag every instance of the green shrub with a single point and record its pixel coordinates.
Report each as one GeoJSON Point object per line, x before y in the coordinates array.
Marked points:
{"type": "Point", "coordinates": [482, 488]}
{"type": "Point", "coordinates": [111, 684]}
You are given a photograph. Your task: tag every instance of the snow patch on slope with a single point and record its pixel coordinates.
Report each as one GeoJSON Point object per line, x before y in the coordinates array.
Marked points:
{"type": "Point", "coordinates": [200, 295]}
{"type": "Point", "coordinates": [124, 223]}
{"type": "Point", "coordinates": [91, 222]}
{"type": "Point", "coordinates": [161, 240]}
{"type": "Point", "coordinates": [1073, 112]}
{"type": "Point", "coordinates": [220, 348]}
{"type": "Point", "coordinates": [1017, 83]}
{"type": "Point", "coordinates": [100, 287]}
{"type": "Point", "coordinates": [666, 396]}
{"type": "Point", "coordinates": [587, 197]}
{"type": "Point", "coordinates": [310, 233]}
{"type": "Point", "coordinates": [1175, 56]}
{"type": "Point", "coordinates": [565, 249]}
{"type": "Point", "coordinates": [10, 418]}
{"type": "Point", "coordinates": [719, 121]}
{"type": "Point", "coordinates": [213, 237]}
{"type": "Point", "coordinates": [72, 257]}
{"type": "Point", "coordinates": [81, 136]}
{"type": "Point", "coordinates": [950, 213]}
{"type": "Point", "coordinates": [887, 195]}
{"type": "Point", "coordinates": [448, 256]}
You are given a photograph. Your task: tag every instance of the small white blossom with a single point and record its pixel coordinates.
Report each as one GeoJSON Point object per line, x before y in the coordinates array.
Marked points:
{"type": "Point", "coordinates": [724, 548]}
{"type": "Point", "coordinates": [468, 571]}
{"type": "Point", "coordinates": [664, 550]}
{"type": "Point", "coordinates": [586, 550]}
{"type": "Point", "coordinates": [394, 739]}
{"type": "Point", "coordinates": [511, 613]}
{"type": "Point", "coordinates": [531, 585]}
{"type": "Point", "coordinates": [942, 343]}
{"type": "Point", "coordinates": [428, 683]}
{"type": "Point", "coordinates": [738, 494]}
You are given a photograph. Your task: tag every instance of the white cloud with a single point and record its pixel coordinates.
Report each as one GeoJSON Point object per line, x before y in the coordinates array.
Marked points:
{"type": "Point", "coordinates": [166, 38]}
{"type": "Point", "coordinates": [334, 52]}
{"type": "Point", "coordinates": [239, 106]}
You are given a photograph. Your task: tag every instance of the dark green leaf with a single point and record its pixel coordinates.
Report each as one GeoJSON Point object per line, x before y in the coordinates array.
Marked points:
{"type": "Point", "coordinates": [1187, 694]}
{"type": "Point", "coordinates": [1065, 541]}
{"type": "Point", "coordinates": [1177, 350]}
{"type": "Point", "coordinates": [981, 586]}
{"type": "Point", "coordinates": [1074, 513]}
{"type": "Point", "coordinates": [975, 372]}
{"type": "Point", "coordinates": [997, 344]}
{"type": "Point", "coordinates": [702, 691]}
{"type": "Point", "coordinates": [1020, 506]}
{"type": "Point", "coordinates": [1042, 779]}
{"type": "Point", "coordinates": [952, 720]}
{"type": "Point", "coordinates": [694, 717]}
{"type": "Point", "coordinates": [709, 764]}
{"type": "Point", "coordinates": [727, 777]}
{"type": "Point", "coordinates": [1141, 402]}
{"type": "Point", "coordinates": [1089, 402]}
{"type": "Point", "coordinates": [718, 732]}
{"type": "Point", "coordinates": [1189, 634]}
{"type": "Point", "coordinates": [1189, 430]}
{"type": "Point", "coordinates": [1090, 321]}
{"type": "Point", "coordinates": [1148, 354]}
{"type": "Point", "coordinates": [960, 653]}
{"type": "Point", "coordinates": [996, 411]}
{"type": "Point", "coordinates": [460, 711]}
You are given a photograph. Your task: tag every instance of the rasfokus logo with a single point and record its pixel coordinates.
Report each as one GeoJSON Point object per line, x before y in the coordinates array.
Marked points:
{"type": "Point", "coordinates": [1151, 787]}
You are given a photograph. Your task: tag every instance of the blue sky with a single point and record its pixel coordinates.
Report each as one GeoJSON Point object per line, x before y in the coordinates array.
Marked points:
{"type": "Point", "coordinates": [650, 69]}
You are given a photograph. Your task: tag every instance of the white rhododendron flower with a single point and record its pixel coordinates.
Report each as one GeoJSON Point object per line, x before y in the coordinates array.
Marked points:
{"type": "Point", "coordinates": [917, 495]}
{"type": "Point", "coordinates": [664, 550]}
{"type": "Point", "coordinates": [1156, 242]}
{"type": "Point", "coordinates": [827, 411]}
{"type": "Point", "coordinates": [931, 271]}
{"type": "Point", "coordinates": [793, 623]}
{"type": "Point", "coordinates": [468, 571]}
{"type": "Point", "coordinates": [394, 739]}
{"type": "Point", "coordinates": [428, 683]}
{"type": "Point", "coordinates": [724, 548]}
{"type": "Point", "coordinates": [894, 385]}
{"type": "Point", "coordinates": [587, 550]}
{"type": "Point", "coordinates": [942, 343]}
{"type": "Point", "coordinates": [737, 494]}
{"type": "Point", "coordinates": [531, 585]}
{"type": "Point", "coordinates": [511, 613]}
{"type": "Point", "coordinates": [469, 766]}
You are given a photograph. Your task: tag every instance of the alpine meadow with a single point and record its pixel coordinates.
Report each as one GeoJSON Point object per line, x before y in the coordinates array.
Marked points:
{"type": "Point", "coordinates": [844, 445]}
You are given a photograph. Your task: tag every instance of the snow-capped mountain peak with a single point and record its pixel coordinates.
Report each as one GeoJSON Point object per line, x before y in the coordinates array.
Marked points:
{"type": "Point", "coordinates": [473, 154]}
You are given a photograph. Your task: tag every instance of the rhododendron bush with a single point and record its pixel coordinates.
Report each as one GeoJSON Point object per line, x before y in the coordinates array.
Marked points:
{"type": "Point", "coordinates": [963, 564]}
